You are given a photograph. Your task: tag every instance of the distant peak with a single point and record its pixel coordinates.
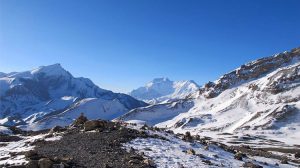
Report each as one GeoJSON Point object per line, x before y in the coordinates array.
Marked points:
{"type": "Point", "coordinates": [164, 79]}
{"type": "Point", "coordinates": [57, 65]}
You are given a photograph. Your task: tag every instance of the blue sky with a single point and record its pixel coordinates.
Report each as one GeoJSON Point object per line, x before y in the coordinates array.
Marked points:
{"type": "Point", "coordinates": [121, 45]}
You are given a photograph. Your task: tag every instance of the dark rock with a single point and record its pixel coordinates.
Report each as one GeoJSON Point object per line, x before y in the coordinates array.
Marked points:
{"type": "Point", "coordinates": [56, 129]}
{"type": "Point", "coordinates": [297, 155]}
{"type": "Point", "coordinates": [170, 131]}
{"type": "Point", "coordinates": [136, 157]}
{"type": "Point", "coordinates": [207, 162]}
{"type": "Point", "coordinates": [144, 127]}
{"type": "Point", "coordinates": [187, 136]}
{"type": "Point", "coordinates": [45, 163]}
{"type": "Point", "coordinates": [93, 124]}
{"type": "Point", "coordinates": [134, 161]}
{"type": "Point", "coordinates": [80, 120]}
{"type": "Point", "coordinates": [16, 130]}
{"type": "Point", "coordinates": [32, 164]}
{"type": "Point", "coordinates": [32, 154]}
{"type": "Point", "coordinates": [238, 156]}
{"type": "Point", "coordinates": [8, 138]}
{"type": "Point", "coordinates": [191, 151]}
{"type": "Point", "coordinates": [215, 156]}
{"type": "Point", "coordinates": [149, 162]}
{"type": "Point", "coordinates": [37, 141]}
{"type": "Point", "coordinates": [200, 155]}
{"type": "Point", "coordinates": [209, 85]}
{"type": "Point", "coordinates": [197, 137]}
{"type": "Point", "coordinates": [284, 161]}
{"type": "Point", "coordinates": [245, 146]}
{"type": "Point", "coordinates": [251, 165]}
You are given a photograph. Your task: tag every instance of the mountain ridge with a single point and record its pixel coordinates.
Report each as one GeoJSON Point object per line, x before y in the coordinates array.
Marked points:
{"type": "Point", "coordinates": [29, 96]}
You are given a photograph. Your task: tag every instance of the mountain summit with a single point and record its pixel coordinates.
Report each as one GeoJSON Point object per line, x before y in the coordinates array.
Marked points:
{"type": "Point", "coordinates": [163, 89]}
{"type": "Point", "coordinates": [50, 95]}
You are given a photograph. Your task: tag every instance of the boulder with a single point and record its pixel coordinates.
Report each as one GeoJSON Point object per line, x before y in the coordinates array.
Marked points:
{"type": "Point", "coordinates": [251, 165]}
{"type": "Point", "coordinates": [32, 154]}
{"type": "Point", "coordinates": [149, 162]}
{"type": "Point", "coordinates": [238, 156]}
{"type": "Point", "coordinates": [284, 161]}
{"type": "Point", "coordinates": [187, 136]}
{"type": "Point", "coordinates": [93, 124]}
{"type": "Point", "coordinates": [191, 152]}
{"type": "Point", "coordinates": [32, 164]}
{"type": "Point", "coordinates": [56, 129]}
{"type": "Point", "coordinates": [45, 163]}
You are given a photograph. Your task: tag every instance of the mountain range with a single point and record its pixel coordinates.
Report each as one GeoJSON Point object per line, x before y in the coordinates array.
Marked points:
{"type": "Point", "coordinates": [249, 117]}
{"type": "Point", "coordinates": [164, 90]}
{"type": "Point", "coordinates": [259, 98]}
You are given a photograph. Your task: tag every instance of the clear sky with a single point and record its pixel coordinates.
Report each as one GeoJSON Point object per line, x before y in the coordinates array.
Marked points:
{"type": "Point", "coordinates": [123, 44]}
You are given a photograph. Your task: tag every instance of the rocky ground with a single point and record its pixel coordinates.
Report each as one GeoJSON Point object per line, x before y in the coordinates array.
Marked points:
{"type": "Point", "coordinates": [103, 144]}
{"type": "Point", "coordinates": [94, 143]}
{"type": "Point", "coordinates": [98, 148]}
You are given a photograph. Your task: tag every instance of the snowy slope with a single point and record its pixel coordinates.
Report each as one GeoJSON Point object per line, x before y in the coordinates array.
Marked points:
{"type": "Point", "coordinates": [93, 108]}
{"type": "Point", "coordinates": [171, 151]}
{"type": "Point", "coordinates": [260, 99]}
{"type": "Point", "coordinates": [163, 89]}
{"type": "Point", "coordinates": [30, 96]}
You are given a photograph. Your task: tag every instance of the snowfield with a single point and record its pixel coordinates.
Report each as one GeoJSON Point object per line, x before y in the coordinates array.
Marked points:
{"type": "Point", "coordinates": [171, 152]}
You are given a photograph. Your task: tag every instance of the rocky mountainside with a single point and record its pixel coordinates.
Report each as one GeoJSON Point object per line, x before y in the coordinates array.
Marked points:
{"type": "Point", "coordinates": [51, 93]}
{"type": "Point", "coordinates": [163, 89]}
{"type": "Point", "coordinates": [258, 101]}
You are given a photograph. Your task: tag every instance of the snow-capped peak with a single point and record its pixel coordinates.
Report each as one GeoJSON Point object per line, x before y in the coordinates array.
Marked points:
{"type": "Point", "coordinates": [158, 81]}
{"type": "Point", "coordinates": [51, 70]}
{"type": "Point", "coordinates": [162, 89]}
{"type": "Point", "coordinates": [31, 96]}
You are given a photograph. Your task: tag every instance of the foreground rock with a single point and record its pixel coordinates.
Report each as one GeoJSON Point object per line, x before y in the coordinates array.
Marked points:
{"type": "Point", "coordinates": [86, 148]}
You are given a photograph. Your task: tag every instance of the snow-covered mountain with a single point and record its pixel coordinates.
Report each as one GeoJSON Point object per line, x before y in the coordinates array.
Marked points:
{"type": "Point", "coordinates": [163, 89]}
{"type": "Point", "coordinates": [260, 98]}
{"type": "Point", "coordinates": [48, 92]}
